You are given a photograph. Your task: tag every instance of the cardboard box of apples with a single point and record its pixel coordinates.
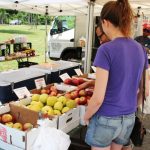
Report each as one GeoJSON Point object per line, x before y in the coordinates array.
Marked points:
{"type": "Point", "coordinates": [17, 126]}
{"type": "Point", "coordinates": [53, 105]}
{"type": "Point", "coordinates": [81, 97]}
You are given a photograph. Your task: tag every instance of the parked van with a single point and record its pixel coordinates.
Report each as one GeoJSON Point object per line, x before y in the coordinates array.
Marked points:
{"type": "Point", "coordinates": [61, 35]}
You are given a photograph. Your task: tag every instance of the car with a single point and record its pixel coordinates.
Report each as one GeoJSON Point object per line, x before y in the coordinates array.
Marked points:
{"type": "Point", "coordinates": [15, 22]}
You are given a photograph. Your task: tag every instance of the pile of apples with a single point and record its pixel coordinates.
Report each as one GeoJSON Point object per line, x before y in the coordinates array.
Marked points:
{"type": "Point", "coordinates": [50, 90]}
{"type": "Point", "coordinates": [81, 97]}
{"type": "Point", "coordinates": [74, 81]}
{"type": "Point", "coordinates": [50, 105]}
{"type": "Point", "coordinates": [10, 121]}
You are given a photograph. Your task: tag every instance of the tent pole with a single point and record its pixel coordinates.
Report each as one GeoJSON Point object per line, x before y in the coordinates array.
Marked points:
{"type": "Point", "coordinates": [46, 14]}
{"type": "Point", "coordinates": [89, 33]}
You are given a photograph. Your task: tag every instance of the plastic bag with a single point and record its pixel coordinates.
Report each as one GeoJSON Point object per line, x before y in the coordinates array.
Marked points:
{"type": "Point", "coordinates": [146, 109]}
{"type": "Point", "coordinates": [50, 138]}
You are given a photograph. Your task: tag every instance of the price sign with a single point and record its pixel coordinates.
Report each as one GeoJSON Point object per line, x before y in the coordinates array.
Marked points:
{"type": "Point", "coordinates": [22, 92]}
{"type": "Point", "coordinates": [94, 68]}
{"type": "Point", "coordinates": [64, 76]}
{"type": "Point", "coordinates": [40, 83]}
{"type": "Point", "coordinates": [78, 72]}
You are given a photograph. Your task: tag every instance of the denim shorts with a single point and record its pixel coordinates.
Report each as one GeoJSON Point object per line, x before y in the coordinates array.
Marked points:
{"type": "Point", "coordinates": [102, 131]}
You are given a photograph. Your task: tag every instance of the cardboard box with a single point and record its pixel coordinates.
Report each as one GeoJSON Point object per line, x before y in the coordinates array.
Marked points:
{"type": "Point", "coordinates": [7, 146]}
{"type": "Point", "coordinates": [69, 120]}
{"type": "Point", "coordinates": [14, 137]}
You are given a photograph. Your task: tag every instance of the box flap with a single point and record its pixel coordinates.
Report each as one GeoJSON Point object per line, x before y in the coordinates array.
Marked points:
{"type": "Point", "coordinates": [24, 115]}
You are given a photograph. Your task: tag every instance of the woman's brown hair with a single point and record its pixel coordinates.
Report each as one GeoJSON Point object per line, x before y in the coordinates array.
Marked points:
{"type": "Point", "coordinates": [120, 14]}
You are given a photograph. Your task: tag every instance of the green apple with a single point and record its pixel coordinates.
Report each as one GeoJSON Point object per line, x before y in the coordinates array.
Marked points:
{"type": "Point", "coordinates": [9, 124]}
{"type": "Point", "coordinates": [33, 103]}
{"type": "Point", "coordinates": [40, 104]}
{"type": "Point", "coordinates": [71, 103]}
{"type": "Point", "coordinates": [45, 109]}
{"type": "Point", "coordinates": [58, 106]}
{"type": "Point", "coordinates": [51, 100]}
{"type": "Point", "coordinates": [35, 97]}
{"type": "Point", "coordinates": [65, 109]}
{"type": "Point", "coordinates": [36, 108]}
{"type": "Point", "coordinates": [57, 112]}
{"type": "Point", "coordinates": [51, 112]}
{"type": "Point", "coordinates": [62, 99]}
{"type": "Point", "coordinates": [43, 98]}
{"type": "Point", "coordinates": [18, 126]}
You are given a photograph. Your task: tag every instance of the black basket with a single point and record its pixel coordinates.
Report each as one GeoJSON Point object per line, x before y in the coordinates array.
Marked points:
{"type": "Point", "coordinates": [77, 137]}
{"type": "Point", "coordinates": [26, 64]}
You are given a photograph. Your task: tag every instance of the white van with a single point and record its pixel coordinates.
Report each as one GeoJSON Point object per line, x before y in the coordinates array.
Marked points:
{"type": "Point", "coordinates": [64, 35]}
{"type": "Point", "coordinates": [61, 35]}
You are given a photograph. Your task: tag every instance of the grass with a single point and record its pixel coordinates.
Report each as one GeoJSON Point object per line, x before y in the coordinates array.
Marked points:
{"type": "Point", "coordinates": [34, 35]}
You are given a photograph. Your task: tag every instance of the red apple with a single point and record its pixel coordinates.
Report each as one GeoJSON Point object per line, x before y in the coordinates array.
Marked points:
{"type": "Point", "coordinates": [77, 100]}
{"type": "Point", "coordinates": [74, 94]}
{"type": "Point", "coordinates": [68, 81]}
{"type": "Point", "coordinates": [68, 95]}
{"type": "Point", "coordinates": [81, 80]}
{"type": "Point", "coordinates": [27, 126]}
{"type": "Point", "coordinates": [7, 118]}
{"type": "Point", "coordinates": [82, 101]}
{"type": "Point", "coordinates": [0, 118]}
{"type": "Point", "coordinates": [53, 88]}
{"type": "Point", "coordinates": [47, 91]}
{"type": "Point", "coordinates": [18, 126]}
{"type": "Point", "coordinates": [82, 93]}
{"type": "Point", "coordinates": [75, 81]}
{"type": "Point", "coordinates": [43, 91]}
{"type": "Point", "coordinates": [53, 93]}
{"type": "Point", "coordinates": [89, 93]}
{"type": "Point", "coordinates": [59, 94]}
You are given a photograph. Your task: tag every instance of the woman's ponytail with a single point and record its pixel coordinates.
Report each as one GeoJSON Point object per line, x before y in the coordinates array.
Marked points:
{"type": "Point", "coordinates": [120, 14]}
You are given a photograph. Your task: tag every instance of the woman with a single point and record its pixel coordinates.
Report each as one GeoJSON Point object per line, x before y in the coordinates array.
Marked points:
{"type": "Point", "coordinates": [110, 114]}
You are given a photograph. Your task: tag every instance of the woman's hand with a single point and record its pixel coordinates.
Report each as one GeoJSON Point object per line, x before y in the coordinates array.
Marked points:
{"type": "Point", "coordinates": [86, 85]}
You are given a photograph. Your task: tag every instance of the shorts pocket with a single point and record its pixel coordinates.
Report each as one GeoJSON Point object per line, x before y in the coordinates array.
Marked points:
{"type": "Point", "coordinates": [129, 128]}
{"type": "Point", "coordinates": [103, 134]}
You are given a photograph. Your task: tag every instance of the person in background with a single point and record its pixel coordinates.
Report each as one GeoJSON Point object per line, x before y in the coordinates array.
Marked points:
{"type": "Point", "coordinates": [144, 39]}
{"type": "Point", "coordinates": [110, 114]}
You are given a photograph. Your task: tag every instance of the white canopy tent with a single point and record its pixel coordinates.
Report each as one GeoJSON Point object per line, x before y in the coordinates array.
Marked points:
{"type": "Point", "coordinates": [71, 7]}
{"type": "Point", "coordinates": [65, 7]}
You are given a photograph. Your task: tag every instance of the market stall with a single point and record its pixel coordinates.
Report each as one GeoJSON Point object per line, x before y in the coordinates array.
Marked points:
{"type": "Point", "coordinates": [68, 106]}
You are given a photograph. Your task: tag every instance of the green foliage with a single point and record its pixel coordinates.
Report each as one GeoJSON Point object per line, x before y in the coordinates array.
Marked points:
{"type": "Point", "coordinates": [26, 18]}
{"type": "Point", "coordinates": [34, 34]}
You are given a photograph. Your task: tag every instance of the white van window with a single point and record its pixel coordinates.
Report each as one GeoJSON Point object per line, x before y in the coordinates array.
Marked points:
{"type": "Point", "coordinates": [62, 24]}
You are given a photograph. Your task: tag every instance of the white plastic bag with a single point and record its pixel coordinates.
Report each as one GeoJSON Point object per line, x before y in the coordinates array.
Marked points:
{"type": "Point", "coordinates": [50, 138]}
{"type": "Point", "coordinates": [146, 109]}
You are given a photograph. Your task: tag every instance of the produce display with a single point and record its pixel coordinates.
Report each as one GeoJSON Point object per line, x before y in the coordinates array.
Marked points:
{"type": "Point", "coordinates": [50, 105]}
{"type": "Point", "coordinates": [50, 90]}
{"type": "Point", "coordinates": [22, 54]}
{"type": "Point", "coordinates": [10, 121]}
{"type": "Point", "coordinates": [74, 81]}
{"type": "Point", "coordinates": [81, 97]}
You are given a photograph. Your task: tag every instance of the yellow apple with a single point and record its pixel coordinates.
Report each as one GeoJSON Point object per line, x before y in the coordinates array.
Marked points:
{"type": "Point", "coordinates": [35, 97]}
{"type": "Point", "coordinates": [57, 112]}
{"type": "Point", "coordinates": [9, 124]}
{"type": "Point", "coordinates": [7, 118]}
{"type": "Point", "coordinates": [18, 126]}
{"type": "Point", "coordinates": [27, 126]}
{"type": "Point", "coordinates": [51, 100]}
{"type": "Point", "coordinates": [58, 106]}
{"type": "Point", "coordinates": [65, 109]}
